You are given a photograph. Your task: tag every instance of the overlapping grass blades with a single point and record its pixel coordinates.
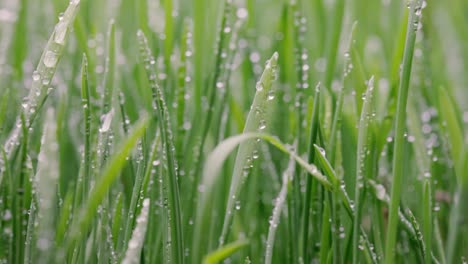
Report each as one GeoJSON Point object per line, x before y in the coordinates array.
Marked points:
{"type": "Point", "coordinates": [256, 120]}
{"type": "Point", "coordinates": [175, 239]}
{"type": "Point", "coordinates": [81, 223]}
{"type": "Point", "coordinates": [102, 168]}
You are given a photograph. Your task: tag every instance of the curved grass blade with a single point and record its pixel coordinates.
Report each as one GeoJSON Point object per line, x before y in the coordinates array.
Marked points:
{"type": "Point", "coordinates": [215, 160]}
{"type": "Point", "coordinates": [170, 175]}
{"type": "Point", "coordinates": [224, 252]}
{"type": "Point", "coordinates": [378, 191]}
{"type": "Point", "coordinates": [400, 121]}
{"type": "Point", "coordinates": [81, 224]}
{"type": "Point", "coordinates": [256, 120]}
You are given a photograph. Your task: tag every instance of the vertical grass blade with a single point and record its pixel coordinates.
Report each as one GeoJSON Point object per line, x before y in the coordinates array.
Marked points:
{"type": "Point", "coordinates": [337, 116]}
{"type": "Point", "coordinates": [365, 129]}
{"type": "Point", "coordinates": [314, 128]}
{"type": "Point", "coordinates": [132, 255]}
{"type": "Point", "coordinates": [46, 178]}
{"type": "Point", "coordinates": [170, 181]}
{"type": "Point", "coordinates": [86, 105]}
{"type": "Point", "coordinates": [427, 221]}
{"type": "Point", "coordinates": [400, 124]}
{"type": "Point", "coordinates": [333, 42]}
{"type": "Point", "coordinates": [108, 81]}
{"type": "Point", "coordinates": [275, 218]}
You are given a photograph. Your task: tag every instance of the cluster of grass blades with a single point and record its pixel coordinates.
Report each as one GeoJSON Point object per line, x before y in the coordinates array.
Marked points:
{"type": "Point", "coordinates": [233, 131]}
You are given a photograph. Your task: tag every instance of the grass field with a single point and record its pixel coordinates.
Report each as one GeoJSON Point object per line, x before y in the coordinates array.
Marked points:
{"type": "Point", "coordinates": [235, 131]}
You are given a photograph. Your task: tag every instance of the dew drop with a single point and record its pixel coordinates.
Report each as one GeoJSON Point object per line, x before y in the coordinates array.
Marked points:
{"type": "Point", "coordinates": [36, 76]}
{"type": "Point", "coordinates": [259, 86]}
{"type": "Point", "coordinates": [242, 13]}
{"type": "Point", "coordinates": [50, 59]}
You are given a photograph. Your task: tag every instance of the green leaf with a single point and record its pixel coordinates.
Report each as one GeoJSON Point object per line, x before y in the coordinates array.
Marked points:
{"type": "Point", "coordinates": [224, 252]}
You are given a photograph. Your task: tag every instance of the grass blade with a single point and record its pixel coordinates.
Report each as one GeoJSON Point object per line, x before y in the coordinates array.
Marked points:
{"type": "Point", "coordinates": [400, 121]}
{"type": "Point", "coordinates": [427, 221]}
{"type": "Point", "coordinates": [81, 225]}
{"type": "Point", "coordinates": [275, 218]}
{"type": "Point", "coordinates": [224, 252]}
{"type": "Point", "coordinates": [215, 160]}
{"type": "Point", "coordinates": [170, 176]}
{"type": "Point", "coordinates": [44, 72]}
{"type": "Point", "coordinates": [108, 81]}
{"type": "Point", "coordinates": [365, 128]}
{"type": "Point", "coordinates": [47, 177]}
{"type": "Point", "coordinates": [86, 105]}
{"type": "Point", "coordinates": [256, 120]}
{"type": "Point", "coordinates": [132, 256]}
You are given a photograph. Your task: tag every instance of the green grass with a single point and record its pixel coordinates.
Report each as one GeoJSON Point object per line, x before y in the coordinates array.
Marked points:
{"type": "Point", "coordinates": [233, 131]}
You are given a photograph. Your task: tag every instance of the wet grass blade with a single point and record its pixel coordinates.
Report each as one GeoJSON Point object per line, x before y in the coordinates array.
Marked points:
{"type": "Point", "coordinates": [44, 72]}
{"type": "Point", "coordinates": [86, 105]}
{"type": "Point", "coordinates": [132, 255]}
{"type": "Point", "coordinates": [170, 180]}
{"type": "Point", "coordinates": [365, 132]}
{"type": "Point", "coordinates": [109, 73]}
{"type": "Point", "coordinates": [458, 152]}
{"type": "Point", "coordinates": [314, 128]}
{"type": "Point", "coordinates": [276, 215]}
{"type": "Point", "coordinates": [256, 121]}
{"type": "Point", "coordinates": [47, 178]}
{"type": "Point", "coordinates": [81, 223]}
{"type": "Point", "coordinates": [331, 49]}
{"type": "Point", "coordinates": [215, 160]}
{"type": "Point", "coordinates": [400, 124]}
{"type": "Point", "coordinates": [427, 221]}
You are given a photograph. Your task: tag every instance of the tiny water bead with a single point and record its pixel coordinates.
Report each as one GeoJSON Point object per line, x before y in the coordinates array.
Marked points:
{"type": "Point", "coordinates": [242, 13]}
{"type": "Point", "coordinates": [254, 57]}
{"type": "Point", "coordinates": [259, 86]}
{"type": "Point", "coordinates": [271, 95]}
{"type": "Point", "coordinates": [36, 76]}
